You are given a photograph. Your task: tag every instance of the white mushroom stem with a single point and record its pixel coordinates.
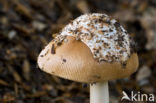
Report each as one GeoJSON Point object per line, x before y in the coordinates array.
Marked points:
{"type": "Point", "coordinates": [99, 92]}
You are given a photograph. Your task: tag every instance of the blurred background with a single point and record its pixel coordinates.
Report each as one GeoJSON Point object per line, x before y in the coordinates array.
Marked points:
{"type": "Point", "coordinates": [26, 26]}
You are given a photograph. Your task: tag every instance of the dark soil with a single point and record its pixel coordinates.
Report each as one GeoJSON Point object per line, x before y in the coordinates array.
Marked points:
{"type": "Point", "coordinates": [26, 26]}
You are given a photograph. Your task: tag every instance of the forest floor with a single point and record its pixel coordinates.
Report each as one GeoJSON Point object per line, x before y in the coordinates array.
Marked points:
{"type": "Point", "coordinates": [26, 26]}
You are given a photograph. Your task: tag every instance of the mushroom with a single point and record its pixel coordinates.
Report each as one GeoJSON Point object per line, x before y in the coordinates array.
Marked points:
{"type": "Point", "coordinates": [94, 48]}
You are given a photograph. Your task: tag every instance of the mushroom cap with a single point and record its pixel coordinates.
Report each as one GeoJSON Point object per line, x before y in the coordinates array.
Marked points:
{"type": "Point", "coordinates": [92, 48]}
{"type": "Point", "coordinates": [73, 60]}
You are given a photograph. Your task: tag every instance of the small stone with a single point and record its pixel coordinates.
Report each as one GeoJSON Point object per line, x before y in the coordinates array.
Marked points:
{"type": "Point", "coordinates": [39, 25]}
{"type": "Point", "coordinates": [143, 73]}
{"type": "Point", "coordinates": [12, 34]}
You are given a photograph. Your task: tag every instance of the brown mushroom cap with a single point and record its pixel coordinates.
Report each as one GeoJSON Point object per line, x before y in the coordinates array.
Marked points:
{"type": "Point", "coordinates": [73, 60]}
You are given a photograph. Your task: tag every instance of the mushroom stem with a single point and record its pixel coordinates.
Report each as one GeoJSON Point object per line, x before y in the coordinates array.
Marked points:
{"type": "Point", "coordinates": [99, 92]}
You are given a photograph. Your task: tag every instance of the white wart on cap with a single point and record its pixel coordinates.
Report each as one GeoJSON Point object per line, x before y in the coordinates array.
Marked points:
{"type": "Point", "coordinates": [94, 47]}
{"type": "Point", "coordinates": [105, 37]}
